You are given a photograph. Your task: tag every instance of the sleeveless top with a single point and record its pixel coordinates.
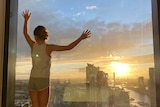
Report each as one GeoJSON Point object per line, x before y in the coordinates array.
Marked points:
{"type": "Point", "coordinates": [41, 62]}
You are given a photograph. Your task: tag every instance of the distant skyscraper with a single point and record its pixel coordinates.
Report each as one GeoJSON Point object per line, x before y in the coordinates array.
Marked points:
{"type": "Point", "coordinates": [95, 77]}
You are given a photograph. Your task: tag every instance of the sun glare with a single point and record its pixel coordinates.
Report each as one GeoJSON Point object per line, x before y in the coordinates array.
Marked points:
{"type": "Point", "coordinates": [119, 68]}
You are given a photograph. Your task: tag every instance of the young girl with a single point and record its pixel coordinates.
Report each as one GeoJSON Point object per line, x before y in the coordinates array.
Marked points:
{"type": "Point", "coordinates": [41, 61]}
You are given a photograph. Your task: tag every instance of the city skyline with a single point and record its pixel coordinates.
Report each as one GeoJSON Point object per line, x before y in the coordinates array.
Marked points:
{"type": "Point", "coordinates": [121, 34]}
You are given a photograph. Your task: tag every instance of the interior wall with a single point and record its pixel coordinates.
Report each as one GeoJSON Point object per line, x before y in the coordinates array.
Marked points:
{"type": "Point", "coordinates": [2, 27]}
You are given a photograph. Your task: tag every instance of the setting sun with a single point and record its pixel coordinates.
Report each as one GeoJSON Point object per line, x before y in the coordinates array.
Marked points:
{"type": "Point", "coordinates": [119, 68]}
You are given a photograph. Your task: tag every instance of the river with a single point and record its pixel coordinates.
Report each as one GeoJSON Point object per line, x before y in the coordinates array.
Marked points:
{"type": "Point", "coordinates": [138, 100]}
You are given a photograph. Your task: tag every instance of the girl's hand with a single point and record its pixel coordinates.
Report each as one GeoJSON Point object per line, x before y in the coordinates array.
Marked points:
{"type": "Point", "coordinates": [26, 14]}
{"type": "Point", "coordinates": [86, 34]}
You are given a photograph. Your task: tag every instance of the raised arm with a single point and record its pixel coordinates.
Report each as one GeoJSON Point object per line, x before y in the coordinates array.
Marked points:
{"type": "Point", "coordinates": [84, 35]}
{"type": "Point", "coordinates": [26, 14]}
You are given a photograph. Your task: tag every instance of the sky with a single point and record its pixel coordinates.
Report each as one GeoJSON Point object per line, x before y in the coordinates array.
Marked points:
{"type": "Point", "coordinates": [121, 36]}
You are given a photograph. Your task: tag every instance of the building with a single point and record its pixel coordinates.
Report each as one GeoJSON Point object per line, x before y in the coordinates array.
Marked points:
{"type": "Point", "coordinates": [95, 77]}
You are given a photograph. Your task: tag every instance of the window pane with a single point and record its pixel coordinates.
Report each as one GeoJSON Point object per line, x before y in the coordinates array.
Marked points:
{"type": "Point", "coordinates": [114, 67]}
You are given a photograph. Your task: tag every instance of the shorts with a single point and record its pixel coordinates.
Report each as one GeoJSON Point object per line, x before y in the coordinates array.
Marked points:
{"type": "Point", "coordinates": [38, 84]}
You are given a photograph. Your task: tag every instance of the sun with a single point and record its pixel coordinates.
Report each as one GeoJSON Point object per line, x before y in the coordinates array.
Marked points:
{"type": "Point", "coordinates": [119, 68]}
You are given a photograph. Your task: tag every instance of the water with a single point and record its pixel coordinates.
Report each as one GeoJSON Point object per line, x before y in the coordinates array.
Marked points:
{"type": "Point", "coordinates": [137, 98]}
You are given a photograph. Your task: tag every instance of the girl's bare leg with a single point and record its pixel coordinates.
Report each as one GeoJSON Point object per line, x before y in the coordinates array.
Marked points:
{"type": "Point", "coordinates": [34, 98]}
{"type": "Point", "coordinates": [43, 97]}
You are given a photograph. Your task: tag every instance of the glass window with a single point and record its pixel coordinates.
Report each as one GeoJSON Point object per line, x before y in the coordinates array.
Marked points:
{"type": "Point", "coordinates": [112, 68]}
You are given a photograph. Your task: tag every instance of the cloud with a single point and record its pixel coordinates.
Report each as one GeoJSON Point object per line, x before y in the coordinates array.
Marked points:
{"type": "Point", "coordinates": [105, 38]}
{"type": "Point", "coordinates": [79, 14]}
{"type": "Point", "coordinates": [91, 7]}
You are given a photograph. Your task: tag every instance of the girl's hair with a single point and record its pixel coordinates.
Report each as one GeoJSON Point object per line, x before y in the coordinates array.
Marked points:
{"type": "Point", "coordinates": [40, 32]}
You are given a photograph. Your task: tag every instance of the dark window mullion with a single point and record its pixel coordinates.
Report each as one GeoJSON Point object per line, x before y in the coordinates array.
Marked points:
{"type": "Point", "coordinates": [9, 60]}
{"type": "Point", "coordinates": [156, 39]}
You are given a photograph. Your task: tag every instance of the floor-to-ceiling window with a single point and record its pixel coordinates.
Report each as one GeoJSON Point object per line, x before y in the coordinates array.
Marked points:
{"type": "Point", "coordinates": [114, 67]}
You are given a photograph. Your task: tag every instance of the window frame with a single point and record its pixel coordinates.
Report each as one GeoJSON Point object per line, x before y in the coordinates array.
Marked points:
{"type": "Point", "coordinates": [2, 24]}
{"type": "Point", "coordinates": [9, 58]}
{"type": "Point", "coordinates": [156, 42]}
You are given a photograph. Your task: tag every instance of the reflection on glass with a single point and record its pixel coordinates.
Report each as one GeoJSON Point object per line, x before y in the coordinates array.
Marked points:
{"type": "Point", "coordinates": [113, 68]}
